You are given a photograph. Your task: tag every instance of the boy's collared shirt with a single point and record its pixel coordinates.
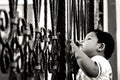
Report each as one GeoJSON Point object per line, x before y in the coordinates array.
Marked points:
{"type": "Point", "coordinates": [105, 70]}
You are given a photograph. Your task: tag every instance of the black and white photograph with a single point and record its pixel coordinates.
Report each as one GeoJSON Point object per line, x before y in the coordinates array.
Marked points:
{"type": "Point", "coordinates": [59, 39]}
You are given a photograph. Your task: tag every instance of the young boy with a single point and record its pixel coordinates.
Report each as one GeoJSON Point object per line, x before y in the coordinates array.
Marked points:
{"type": "Point", "coordinates": [92, 56]}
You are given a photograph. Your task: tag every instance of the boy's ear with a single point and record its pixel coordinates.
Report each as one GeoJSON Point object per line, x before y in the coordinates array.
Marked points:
{"type": "Point", "coordinates": [101, 47]}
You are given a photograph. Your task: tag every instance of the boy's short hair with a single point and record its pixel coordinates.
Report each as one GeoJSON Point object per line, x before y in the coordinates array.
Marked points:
{"type": "Point", "coordinates": [107, 39]}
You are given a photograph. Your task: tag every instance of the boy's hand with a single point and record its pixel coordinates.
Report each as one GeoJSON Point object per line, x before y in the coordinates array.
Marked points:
{"type": "Point", "coordinates": [78, 43]}
{"type": "Point", "coordinates": [73, 46]}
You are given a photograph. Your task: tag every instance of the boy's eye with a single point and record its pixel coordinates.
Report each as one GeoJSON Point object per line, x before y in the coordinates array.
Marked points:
{"type": "Point", "coordinates": [89, 38]}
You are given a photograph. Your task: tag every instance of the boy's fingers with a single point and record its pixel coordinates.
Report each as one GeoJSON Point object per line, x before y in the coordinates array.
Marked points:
{"type": "Point", "coordinates": [79, 43]}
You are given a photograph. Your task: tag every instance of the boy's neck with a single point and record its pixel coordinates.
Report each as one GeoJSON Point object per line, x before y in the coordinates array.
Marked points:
{"type": "Point", "coordinates": [98, 53]}
{"type": "Point", "coordinates": [101, 54]}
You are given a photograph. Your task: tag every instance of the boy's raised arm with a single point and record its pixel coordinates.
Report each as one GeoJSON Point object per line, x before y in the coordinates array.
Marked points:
{"type": "Point", "coordinates": [85, 63]}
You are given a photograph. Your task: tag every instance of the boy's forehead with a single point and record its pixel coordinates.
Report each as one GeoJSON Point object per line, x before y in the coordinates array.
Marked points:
{"type": "Point", "coordinates": [92, 34]}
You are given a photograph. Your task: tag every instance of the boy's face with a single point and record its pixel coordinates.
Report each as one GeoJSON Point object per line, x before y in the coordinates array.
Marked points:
{"type": "Point", "coordinates": [89, 44]}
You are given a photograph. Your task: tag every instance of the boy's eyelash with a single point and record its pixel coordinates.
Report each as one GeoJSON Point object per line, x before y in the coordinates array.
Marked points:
{"type": "Point", "coordinates": [88, 38]}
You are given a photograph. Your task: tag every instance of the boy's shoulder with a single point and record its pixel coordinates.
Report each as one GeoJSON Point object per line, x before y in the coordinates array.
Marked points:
{"type": "Point", "coordinates": [102, 62]}
{"type": "Point", "coordinates": [98, 58]}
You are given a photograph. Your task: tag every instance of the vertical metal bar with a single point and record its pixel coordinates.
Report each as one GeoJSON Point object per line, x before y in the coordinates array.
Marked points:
{"type": "Point", "coordinates": [84, 16]}
{"type": "Point", "coordinates": [78, 21]}
{"type": "Point", "coordinates": [73, 19]}
{"type": "Point", "coordinates": [82, 19]}
{"type": "Point", "coordinates": [39, 7]}
{"type": "Point", "coordinates": [45, 25]}
{"type": "Point", "coordinates": [37, 10]}
{"type": "Point", "coordinates": [69, 36]}
{"type": "Point", "coordinates": [55, 15]}
{"type": "Point", "coordinates": [35, 13]}
{"type": "Point", "coordinates": [69, 22]}
{"type": "Point", "coordinates": [70, 27]}
{"type": "Point", "coordinates": [25, 10]}
{"type": "Point", "coordinates": [45, 12]}
{"type": "Point", "coordinates": [13, 8]}
{"type": "Point", "coordinates": [51, 12]}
